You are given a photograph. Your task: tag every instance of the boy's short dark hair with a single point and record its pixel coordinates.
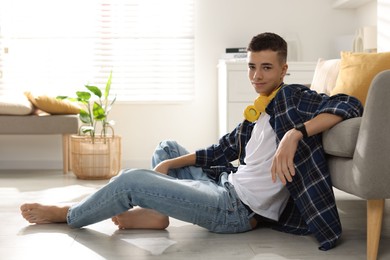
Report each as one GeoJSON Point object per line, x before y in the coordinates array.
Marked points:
{"type": "Point", "coordinates": [269, 41]}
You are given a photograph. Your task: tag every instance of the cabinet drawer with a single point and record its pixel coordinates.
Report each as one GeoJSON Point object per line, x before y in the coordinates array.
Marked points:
{"type": "Point", "coordinates": [298, 77]}
{"type": "Point", "coordinates": [300, 72]}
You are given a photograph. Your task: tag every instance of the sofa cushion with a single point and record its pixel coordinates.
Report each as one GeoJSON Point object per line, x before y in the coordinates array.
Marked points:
{"type": "Point", "coordinates": [357, 71]}
{"type": "Point", "coordinates": [52, 105]}
{"type": "Point", "coordinates": [341, 139]}
{"type": "Point", "coordinates": [34, 125]}
{"type": "Point", "coordinates": [325, 75]}
{"type": "Point", "coordinates": [17, 105]}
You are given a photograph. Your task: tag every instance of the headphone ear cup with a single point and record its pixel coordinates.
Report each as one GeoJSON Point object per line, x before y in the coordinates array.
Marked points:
{"type": "Point", "coordinates": [251, 113]}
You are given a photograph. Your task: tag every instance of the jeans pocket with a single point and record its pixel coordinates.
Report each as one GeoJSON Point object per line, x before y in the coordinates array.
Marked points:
{"type": "Point", "coordinates": [232, 198]}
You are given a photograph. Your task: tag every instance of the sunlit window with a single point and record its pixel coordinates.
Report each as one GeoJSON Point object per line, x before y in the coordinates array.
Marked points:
{"type": "Point", "coordinates": [58, 46]}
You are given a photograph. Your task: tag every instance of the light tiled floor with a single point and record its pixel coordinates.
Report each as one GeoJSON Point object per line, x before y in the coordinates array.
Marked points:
{"type": "Point", "coordinates": [20, 240]}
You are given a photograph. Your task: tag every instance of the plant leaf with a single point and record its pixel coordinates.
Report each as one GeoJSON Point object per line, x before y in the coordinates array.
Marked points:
{"type": "Point", "coordinates": [83, 96]}
{"type": "Point", "coordinates": [111, 122]}
{"type": "Point", "coordinates": [95, 90]}
{"type": "Point", "coordinates": [87, 129]}
{"type": "Point", "coordinates": [98, 112]}
{"type": "Point", "coordinates": [84, 117]}
{"type": "Point", "coordinates": [108, 108]}
{"type": "Point", "coordinates": [108, 86]}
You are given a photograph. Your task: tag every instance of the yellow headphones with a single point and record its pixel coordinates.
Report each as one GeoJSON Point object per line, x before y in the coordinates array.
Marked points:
{"type": "Point", "coordinates": [252, 112]}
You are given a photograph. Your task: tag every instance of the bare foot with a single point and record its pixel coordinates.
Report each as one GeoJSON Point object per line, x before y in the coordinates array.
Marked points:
{"type": "Point", "coordinates": [41, 214]}
{"type": "Point", "coordinates": [140, 218]}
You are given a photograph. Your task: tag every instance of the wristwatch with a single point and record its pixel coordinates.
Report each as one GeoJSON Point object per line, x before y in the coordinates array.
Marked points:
{"type": "Point", "coordinates": [301, 128]}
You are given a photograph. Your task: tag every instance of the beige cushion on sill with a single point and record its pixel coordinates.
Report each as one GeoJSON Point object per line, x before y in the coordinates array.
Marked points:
{"type": "Point", "coordinates": [52, 105]}
{"type": "Point", "coordinates": [18, 105]}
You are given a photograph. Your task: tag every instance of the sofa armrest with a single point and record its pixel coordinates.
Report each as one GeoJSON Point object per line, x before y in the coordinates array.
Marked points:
{"type": "Point", "coordinates": [341, 139]}
{"type": "Point", "coordinates": [371, 161]}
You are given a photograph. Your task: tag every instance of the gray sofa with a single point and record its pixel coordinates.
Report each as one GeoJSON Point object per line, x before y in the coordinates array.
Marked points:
{"type": "Point", "coordinates": [64, 125]}
{"type": "Point", "coordinates": [359, 158]}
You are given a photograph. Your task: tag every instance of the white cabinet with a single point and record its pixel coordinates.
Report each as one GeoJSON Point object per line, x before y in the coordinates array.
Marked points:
{"type": "Point", "coordinates": [235, 92]}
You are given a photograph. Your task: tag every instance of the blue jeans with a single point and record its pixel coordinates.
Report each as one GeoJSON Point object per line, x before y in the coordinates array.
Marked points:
{"type": "Point", "coordinates": [186, 194]}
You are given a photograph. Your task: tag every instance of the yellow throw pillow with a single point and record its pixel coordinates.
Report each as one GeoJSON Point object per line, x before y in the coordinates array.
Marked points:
{"type": "Point", "coordinates": [52, 105]}
{"type": "Point", "coordinates": [357, 70]}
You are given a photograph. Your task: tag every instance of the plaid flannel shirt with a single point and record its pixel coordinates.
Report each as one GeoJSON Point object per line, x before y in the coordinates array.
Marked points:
{"type": "Point", "coordinates": [311, 207]}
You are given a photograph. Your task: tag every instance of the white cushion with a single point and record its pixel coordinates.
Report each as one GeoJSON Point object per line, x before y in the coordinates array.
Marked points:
{"type": "Point", "coordinates": [325, 75]}
{"type": "Point", "coordinates": [18, 105]}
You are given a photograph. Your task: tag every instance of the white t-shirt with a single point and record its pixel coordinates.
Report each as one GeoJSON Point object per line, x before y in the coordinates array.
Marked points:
{"type": "Point", "coordinates": [253, 181]}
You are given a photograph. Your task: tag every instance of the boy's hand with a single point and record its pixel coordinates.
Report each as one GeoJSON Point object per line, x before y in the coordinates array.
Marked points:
{"type": "Point", "coordinates": [175, 163]}
{"type": "Point", "coordinates": [283, 162]}
{"type": "Point", "coordinates": [162, 167]}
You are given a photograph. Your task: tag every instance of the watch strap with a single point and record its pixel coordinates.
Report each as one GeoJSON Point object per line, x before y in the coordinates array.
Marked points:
{"type": "Point", "coordinates": [301, 128]}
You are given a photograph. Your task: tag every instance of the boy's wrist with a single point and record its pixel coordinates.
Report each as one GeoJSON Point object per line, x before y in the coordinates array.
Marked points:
{"type": "Point", "coordinates": [297, 134]}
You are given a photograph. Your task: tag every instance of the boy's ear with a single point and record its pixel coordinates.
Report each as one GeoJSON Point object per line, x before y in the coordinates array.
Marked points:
{"type": "Point", "coordinates": [284, 70]}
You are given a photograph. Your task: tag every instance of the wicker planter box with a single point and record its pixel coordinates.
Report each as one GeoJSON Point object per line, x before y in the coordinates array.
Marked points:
{"type": "Point", "coordinates": [96, 160]}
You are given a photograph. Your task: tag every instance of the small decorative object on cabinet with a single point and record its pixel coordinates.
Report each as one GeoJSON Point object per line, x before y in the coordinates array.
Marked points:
{"type": "Point", "coordinates": [235, 92]}
{"type": "Point", "coordinates": [95, 156]}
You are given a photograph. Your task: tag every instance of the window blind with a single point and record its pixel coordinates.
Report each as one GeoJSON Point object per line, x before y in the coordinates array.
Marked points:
{"type": "Point", "coordinates": [58, 46]}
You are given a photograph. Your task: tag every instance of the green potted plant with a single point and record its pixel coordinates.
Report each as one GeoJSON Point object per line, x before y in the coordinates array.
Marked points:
{"type": "Point", "coordinates": [94, 111]}
{"type": "Point", "coordinates": [95, 154]}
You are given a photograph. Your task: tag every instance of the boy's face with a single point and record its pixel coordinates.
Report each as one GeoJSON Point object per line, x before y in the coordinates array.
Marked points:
{"type": "Point", "coordinates": [265, 71]}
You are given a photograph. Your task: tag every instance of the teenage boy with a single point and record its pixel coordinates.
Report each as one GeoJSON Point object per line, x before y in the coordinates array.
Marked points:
{"type": "Point", "coordinates": [282, 179]}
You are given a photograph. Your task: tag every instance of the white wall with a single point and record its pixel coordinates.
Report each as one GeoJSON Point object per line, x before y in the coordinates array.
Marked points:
{"type": "Point", "coordinates": [383, 25]}
{"type": "Point", "coordinates": [219, 24]}
{"type": "Point", "coordinates": [366, 15]}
